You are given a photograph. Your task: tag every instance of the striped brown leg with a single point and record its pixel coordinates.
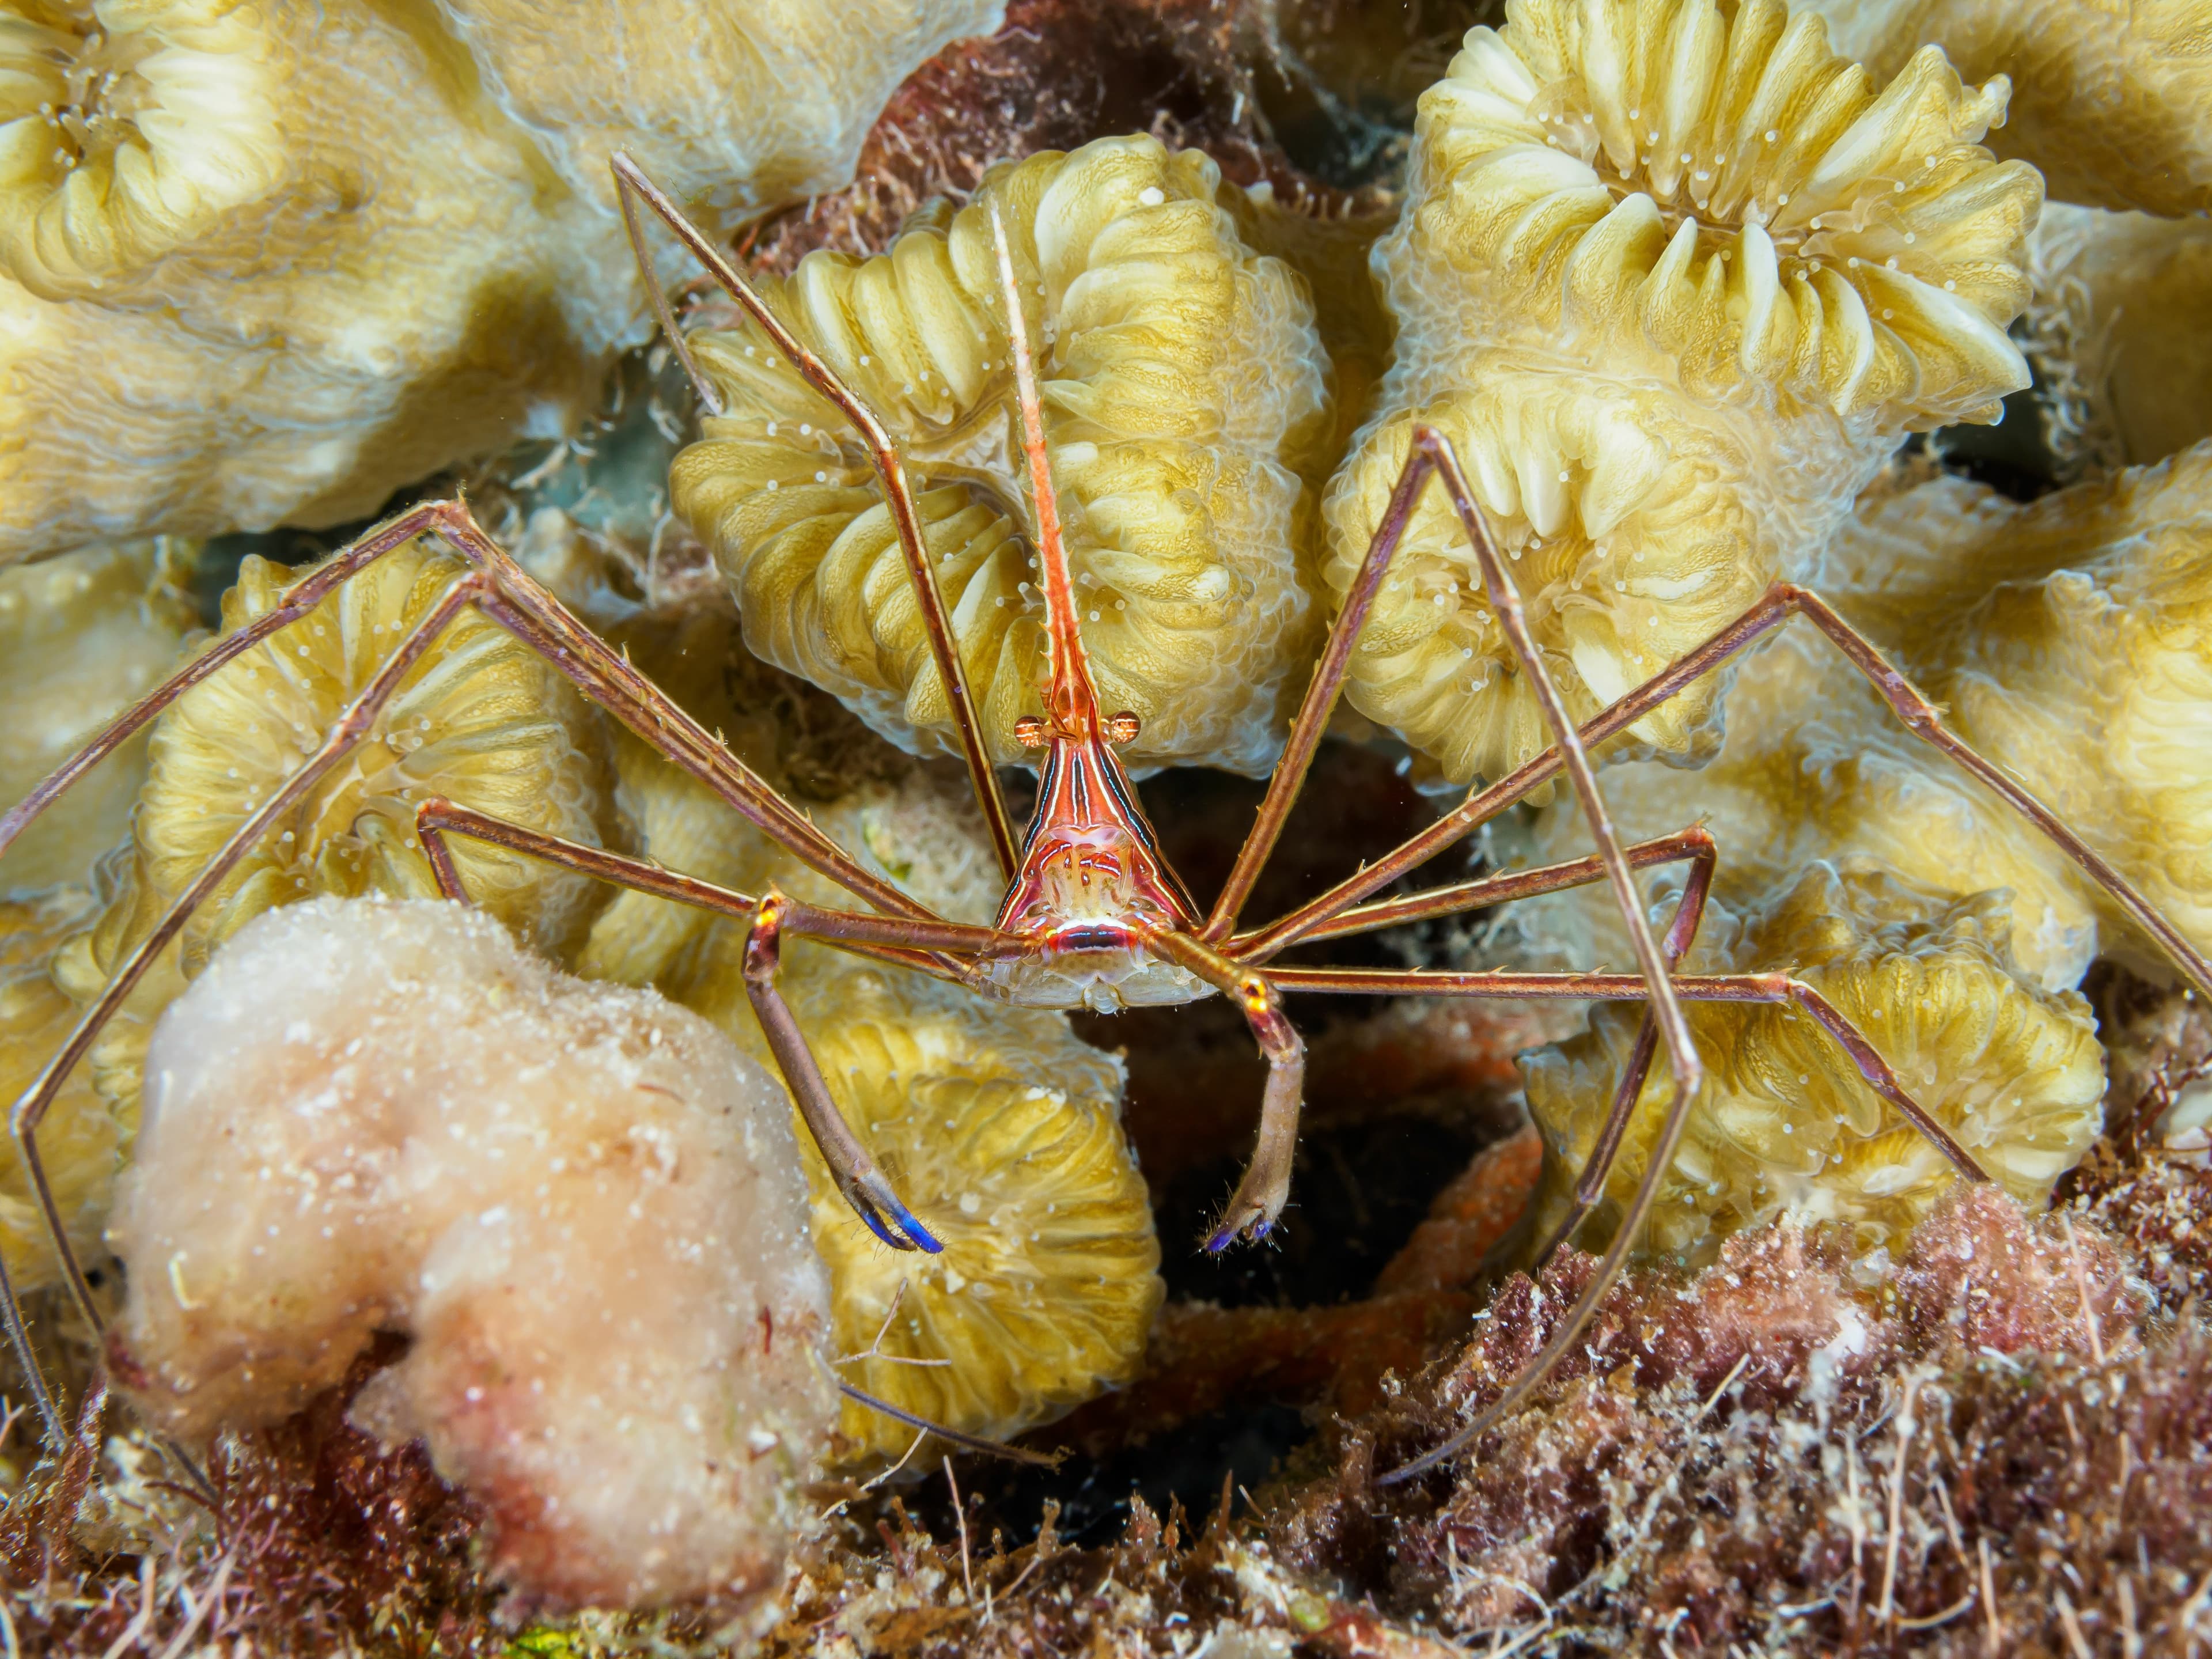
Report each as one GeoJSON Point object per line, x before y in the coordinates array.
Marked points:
{"type": "Point", "coordinates": [633, 186]}
{"type": "Point", "coordinates": [1432, 453]}
{"type": "Point", "coordinates": [1776, 606]}
{"type": "Point", "coordinates": [864, 1185]}
{"type": "Point", "coordinates": [904, 942]}
{"type": "Point", "coordinates": [1690, 987]}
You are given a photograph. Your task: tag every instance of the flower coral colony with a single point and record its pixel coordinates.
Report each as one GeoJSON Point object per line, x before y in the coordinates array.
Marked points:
{"type": "Point", "coordinates": [1673, 284]}
{"type": "Point", "coordinates": [1186, 408]}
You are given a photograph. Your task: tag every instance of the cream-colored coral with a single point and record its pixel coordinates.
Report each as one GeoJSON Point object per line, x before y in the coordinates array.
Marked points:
{"type": "Point", "coordinates": [1673, 281]}
{"type": "Point", "coordinates": [2110, 101]}
{"type": "Point", "coordinates": [579, 1201]}
{"type": "Point", "coordinates": [82, 1140]}
{"type": "Point", "coordinates": [263, 261]}
{"type": "Point", "coordinates": [1334, 255]}
{"type": "Point", "coordinates": [480, 718]}
{"type": "Point", "coordinates": [81, 636]}
{"type": "Point", "coordinates": [1786, 1126]}
{"type": "Point", "coordinates": [1185, 404]}
{"type": "Point", "coordinates": [999, 1127]}
{"type": "Point", "coordinates": [2119, 329]}
{"type": "Point", "coordinates": [258, 263]}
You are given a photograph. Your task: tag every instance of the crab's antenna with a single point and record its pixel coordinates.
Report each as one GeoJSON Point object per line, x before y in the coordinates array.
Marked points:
{"type": "Point", "coordinates": [1071, 697]}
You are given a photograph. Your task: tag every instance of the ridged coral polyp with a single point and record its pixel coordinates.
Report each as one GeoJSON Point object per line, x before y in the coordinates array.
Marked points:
{"type": "Point", "coordinates": [1672, 281]}
{"type": "Point", "coordinates": [1185, 397]}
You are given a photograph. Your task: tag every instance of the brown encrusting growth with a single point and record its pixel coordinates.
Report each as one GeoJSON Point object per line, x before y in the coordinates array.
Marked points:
{"type": "Point", "coordinates": [1193, 73]}
{"type": "Point", "coordinates": [1204, 1358]}
{"type": "Point", "coordinates": [1990, 1443]}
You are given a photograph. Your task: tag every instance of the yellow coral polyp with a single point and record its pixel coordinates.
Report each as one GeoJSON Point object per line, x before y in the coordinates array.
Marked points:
{"type": "Point", "coordinates": [125, 131]}
{"type": "Point", "coordinates": [1185, 403]}
{"type": "Point", "coordinates": [480, 718]}
{"type": "Point", "coordinates": [1672, 279]}
{"type": "Point", "coordinates": [1006, 1133]}
{"type": "Point", "coordinates": [1003, 1133]}
{"type": "Point", "coordinates": [1785, 1125]}
{"type": "Point", "coordinates": [2110, 102]}
{"type": "Point", "coordinates": [2070, 640]}
{"type": "Point", "coordinates": [2119, 328]}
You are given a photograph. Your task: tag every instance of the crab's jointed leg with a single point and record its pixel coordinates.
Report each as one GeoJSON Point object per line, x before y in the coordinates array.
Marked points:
{"type": "Point", "coordinates": [633, 186]}
{"type": "Point", "coordinates": [508, 595]}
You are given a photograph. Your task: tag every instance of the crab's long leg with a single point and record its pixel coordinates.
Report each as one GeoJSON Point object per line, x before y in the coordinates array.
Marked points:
{"type": "Point", "coordinates": [438, 817]}
{"type": "Point", "coordinates": [1266, 1187]}
{"type": "Point", "coordinates": [1694, 846]}
{"type": "Point", "coordinates": [1666, 1011]}
{"type": "Point", "coordinates": [1690, 987]}
{"type": "Point", "coordinates": [1920, 717]}
{"type": "Point", "coordinates": [352, 726]}
{"type": "Point", "coordinates": [1774, 607]}
{"type": "Point", "coordinates": [1632, 987]}
{"type": "Point", "coordinates": [1486, 803]}
{"type": "Point", "coordinates": [1290, 773]}
{"type": "Point", "coordinates": [633, 186]}
{"type": "Point", "coordinates": [515, 600]}
{"type": "Point", "coordinates": [1431, 450]}
{"type": "Point", "coordinates": [864, 1185]}
{"type": "Point", "coordinates": [1597, 1169]}
{"type": "Point", "coordinates": [901, 941]}
{"type": "Point", "coordinates": [310, 591]}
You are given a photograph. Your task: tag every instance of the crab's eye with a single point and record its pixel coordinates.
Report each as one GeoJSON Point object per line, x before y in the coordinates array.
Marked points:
{"type": "Point", "coordinates": [1123, 727]}
{"type": "Point", "coordinates": [1030, 732]}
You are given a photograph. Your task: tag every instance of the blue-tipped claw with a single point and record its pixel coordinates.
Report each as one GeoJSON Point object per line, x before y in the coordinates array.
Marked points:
{"type": "Point", "coordinates": [921, 1238]}
{"type": "Point", "coordinates": [866, 1193]}
{"type": "Point", "coordinates": [877, 1228]}
{"type": "Point", "coordinates": [1225, 1235]}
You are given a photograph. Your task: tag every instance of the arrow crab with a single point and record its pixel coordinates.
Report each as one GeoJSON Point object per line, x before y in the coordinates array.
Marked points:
{"type": "Point", "coordinates": [1093, 916]}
